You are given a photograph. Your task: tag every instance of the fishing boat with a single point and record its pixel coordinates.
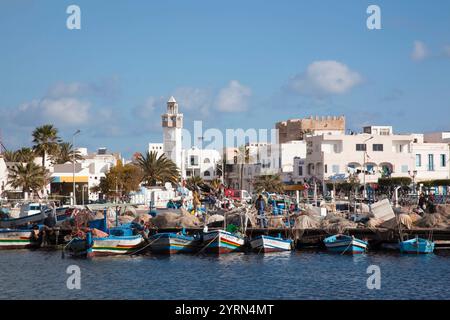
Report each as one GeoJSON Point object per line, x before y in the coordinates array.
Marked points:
{"type": "Point", "coordinates": [18, 238]}
{"type": "Point", "coordinates": [267, 244]}
{"type": "Point", "coordinates": [417, 245]}
{"type": "Point", "coordinates": [171, 243]}
{"type": "Point", "coordinates": [121, 240]}
{"type": "Point", "coordinates": [221, 241]}
{"type": "Point", "coordinates": [341, 243]}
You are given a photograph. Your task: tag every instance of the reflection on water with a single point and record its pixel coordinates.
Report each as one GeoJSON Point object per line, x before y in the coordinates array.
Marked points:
{"type": "Point", "coordinates": [287, 275]}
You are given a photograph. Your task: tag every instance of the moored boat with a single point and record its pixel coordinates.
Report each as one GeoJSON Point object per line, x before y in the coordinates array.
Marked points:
{"type": "Point", "coordinates": [267, 244]}
{"type": "Point", "coordinates": [417, 245]}
{"type": "Point", "coordinates": [221, 241]}
{"type": "Point", "coordinates": [113, 245]}
{"type": "Point", "coordinates": [18, 238]}
{"type": "Point", "coordinates": [341, 243]}
{"type": "Point", "coordinates": [171, 243]}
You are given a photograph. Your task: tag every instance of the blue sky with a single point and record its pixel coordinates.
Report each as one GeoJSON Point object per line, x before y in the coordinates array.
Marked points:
{"type": "Point", "coordinates": [231, 64]}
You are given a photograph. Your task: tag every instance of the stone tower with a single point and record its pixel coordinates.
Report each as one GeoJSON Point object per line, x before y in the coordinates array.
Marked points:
{"type": "Point", "coordinates": [172, 123]}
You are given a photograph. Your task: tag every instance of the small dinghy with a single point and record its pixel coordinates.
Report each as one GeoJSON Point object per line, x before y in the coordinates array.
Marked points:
{"type": "Point", "coordinates": [221, 241]}
{"type": "Point", "coordinates": [18, 238]}
{"type": "Point", "coordinates": [267, 244]}
{"type": "Point", "coordinates": [345, 244]}
{"type": "Point", "coordinates": [171, 243]}
{"type": "Point", "coordinates": [417, 245]}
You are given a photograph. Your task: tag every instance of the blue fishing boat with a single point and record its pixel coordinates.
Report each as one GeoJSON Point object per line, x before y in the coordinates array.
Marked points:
{"type": "Point", "coordinates": [417, 245]}
{"type": "Point", "coordinates": [123, 239]}
{"type": "Point", "coordinates": [171, 243]}
{"type": "Point", "coordinates": [341, 243]}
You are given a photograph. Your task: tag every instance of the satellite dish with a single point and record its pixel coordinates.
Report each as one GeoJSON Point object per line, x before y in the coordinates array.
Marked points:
{"type": "Point", "coordinates": [168, 186]}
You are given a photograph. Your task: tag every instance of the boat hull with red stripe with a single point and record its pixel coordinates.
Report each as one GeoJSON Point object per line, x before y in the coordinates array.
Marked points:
{"type": "Point", "coordinates": [221, 241]}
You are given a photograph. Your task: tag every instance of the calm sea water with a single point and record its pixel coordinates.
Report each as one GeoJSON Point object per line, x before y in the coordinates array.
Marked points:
{"type": "Point", "coordinates": [296, 275]}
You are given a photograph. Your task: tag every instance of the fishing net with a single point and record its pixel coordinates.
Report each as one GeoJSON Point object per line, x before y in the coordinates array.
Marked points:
{"type": "Point", "coordinates": [276, 222]}
{"type": "Point", "coordinates": [143, 218]}
{"type": "Point", "coordinates": [173, 219]}
{"type": "Point", "coordinates": [373, 223]}
{"type": "Point", "coordinates": [335, 224]}
{"type": "Point", "coordinates": [307, 222]}
{"type": "Point", "coordinates": [393, 224]}
{"type": "Point", "coordinates": [214, 218]}
{"type": "Point", "coordinates": [432, 220]}
{"type": "Point", "coordinates": [414, 217]}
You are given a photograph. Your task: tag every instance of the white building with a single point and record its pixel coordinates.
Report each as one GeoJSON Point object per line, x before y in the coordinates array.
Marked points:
{"type": "Point", "coordinates": [156, 147]}
{"type": "Point", "coordinates": [201, 162]}
{"type": "Point", "coordinates": [431, 159]}
{"type": "Point", "coordinates": [88, 173]}
{"type": "Point", "coordinates": [172, 123]}
{"type": "Point", "coordinates": [3, 176]}
{"type": "Point", "coordinates": [377, 155]}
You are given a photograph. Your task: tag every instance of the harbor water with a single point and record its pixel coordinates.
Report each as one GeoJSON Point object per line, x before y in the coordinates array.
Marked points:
{"type": "Point", "coordinates": [290, 275]}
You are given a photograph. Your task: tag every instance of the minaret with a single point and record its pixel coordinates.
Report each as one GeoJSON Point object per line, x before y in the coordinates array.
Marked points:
{"type": "Point", "coordinates": [172, 123]}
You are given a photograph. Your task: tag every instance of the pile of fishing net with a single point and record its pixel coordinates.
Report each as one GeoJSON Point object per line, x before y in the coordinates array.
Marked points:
{"type": "Point", "coordinates": [335, 224]}
{"type": "Point", "coordinates": [175, 219]}
{"type": "Point", "coordinates": [143, 218]}
{"type": "Point", "coordinates": [214, 219]}
{"type": "Point", "coordinates": [304, 222]}
{"type": "Point", "coordinates": [433, 220]}
{"type": "Point", "coordinates": [276, 222]}
{"type": "Point", "coordinates": [373, 222]}
{"type": "Point", "coordinates": [402, 219]}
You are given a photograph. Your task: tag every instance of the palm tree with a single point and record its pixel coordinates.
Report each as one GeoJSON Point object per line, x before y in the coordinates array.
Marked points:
{"type": "Point", "coordinates": [156, 169]}
{"type": "Point", "coordinates": [194, 183]}
{"type": "Point", "coordinates": [46, 140]}
{"type": "Point", "coordinates": [25, 155]}
{"type": "Point", "coordinates": [269, 183]}
{"type": "Point", "coordinates": [30, 177]}
{"type": "Point", "coordinates": [65, 153]}
{"type": "Point", "coordinates": [215, 184]}
{"type": "Point", "coordinates": [10, 156]}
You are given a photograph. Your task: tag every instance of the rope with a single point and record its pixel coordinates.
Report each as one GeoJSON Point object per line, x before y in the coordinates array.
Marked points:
{"type": "Point", "coordinates": [146, 246]}
{"type": "Point", "coordinates": [218, 234]}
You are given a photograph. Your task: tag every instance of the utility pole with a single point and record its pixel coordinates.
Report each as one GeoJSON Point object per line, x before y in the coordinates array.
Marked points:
{"type": "Point", "coordinates": [364, 168]}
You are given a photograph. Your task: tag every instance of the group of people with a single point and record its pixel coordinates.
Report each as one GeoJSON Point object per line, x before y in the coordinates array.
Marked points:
{"type": "Point", "coordinates": [426, 203]}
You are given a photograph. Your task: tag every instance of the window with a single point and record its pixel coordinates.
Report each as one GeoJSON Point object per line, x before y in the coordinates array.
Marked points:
{"type": "Point", "coordinates": [194, 160]}
{"type": "Point", "coordinates": [335, 168]}
{"type": "Point", "coordinates": [361, 147]}
{"type": "Point", "coordinates": [206, 160]}
{"type": "Point", "coordinates": [206, 174]}
{"type": "Point", "coordinates": [418, 160]}
{"type": "Point", "coordinates": [326, 168]}
{"type": "Point", "coordinates": [443, 160]}
{"type": "Point", "coordinates": [370, 169]}
{"type": "Point", "coordinates": [300, 171]}
{"type": "Point", "coordinates": [431, 162]}
{"type": "Point", "coordinates": [377, 147]}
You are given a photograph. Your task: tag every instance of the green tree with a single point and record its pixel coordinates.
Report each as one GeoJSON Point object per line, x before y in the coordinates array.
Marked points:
{"type": "Point", "coordinates": [269, 183]}
{"type": "Point", "coordinates": [45, 140]}
{"type": "Point", "coordinates": [123, 178]}
{"type": "Point", "coordinates": [157, 170]}
{"type": "Point", "coordinates": [29, 177]}
{"type": "Point", "coordinates": [24, 155]}
{"type": "Point", "coordinates": [194, 183]}
{"type": "Point", "coordinates": [65, 153]}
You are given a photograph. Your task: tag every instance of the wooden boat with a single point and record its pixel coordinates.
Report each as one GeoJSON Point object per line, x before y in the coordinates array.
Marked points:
{"type": "Point", "coordinates": [113, 245]}
{"type": "Point", "coordinates": [417, 245]}
{"type": "Point", "coordinates": [341, 243]}
{"type": "Point", "coordinates": [17, 239]}
{"type": "Point", "coordinates": [171, 243]}
{"type": "Point", "coordinates": [120, 240]}
{"type": "Point", "coordinates": [266, 244]}
{"type": "Point", "coordinates": [221, 241]}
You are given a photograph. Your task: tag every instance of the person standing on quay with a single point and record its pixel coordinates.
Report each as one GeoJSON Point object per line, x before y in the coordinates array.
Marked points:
{"type": "Point", "coordinates": [260, 206]}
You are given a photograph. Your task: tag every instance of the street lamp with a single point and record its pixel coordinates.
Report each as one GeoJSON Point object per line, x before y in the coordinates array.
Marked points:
{"type": "Point", "coordinates": [364, 166]}
{"type": "Point", "coordinates": [73, 166]}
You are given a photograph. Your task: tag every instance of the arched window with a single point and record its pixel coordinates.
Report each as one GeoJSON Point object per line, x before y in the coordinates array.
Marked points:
{"type": "Point", "coordinates": [206, 160]}
{"type": "Point", "coordinates": [207, 174]}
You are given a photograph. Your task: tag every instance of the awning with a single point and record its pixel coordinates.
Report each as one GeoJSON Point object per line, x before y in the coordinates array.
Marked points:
{"type": "Point", "coordinates": [61, 179]}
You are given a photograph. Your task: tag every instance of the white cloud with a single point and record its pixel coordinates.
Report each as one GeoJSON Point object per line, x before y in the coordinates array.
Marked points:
{"type": "Point", "coordinates": [147, 109]}
{"type": "Point", "coordinates": [233, 98]}
{"type": "Point", "coordinates": [324, 78]}
{"type": "Point", "coordinates": [194, 99]}
{"type": "Point", "coordinates": [61, 111]}
{"type": "Point", "coordinates": [420, 51]}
